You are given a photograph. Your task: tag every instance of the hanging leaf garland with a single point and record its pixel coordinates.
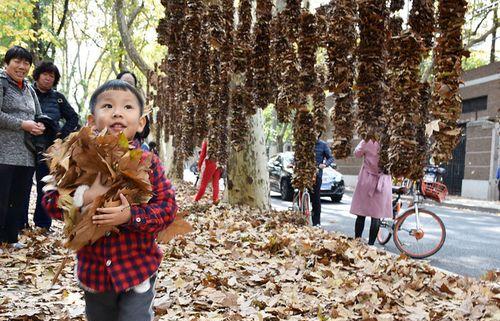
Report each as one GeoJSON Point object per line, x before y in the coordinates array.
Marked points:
{"type": "Point", "coordinates": [240, 97]}
{"type": "Point", "coordinates": [216, 31]}
{"type": "Point", "coordinates": [397, 5]}
{"type": "Point", "coordinates": [341, 64]}
{"type": "Point", "coordinates": [192, 31]}
{"type": "Point", "coordinates": [292, 19]}
{"type": "Point", "coordinates": [261, 66]}
{"type": "Point", "coordinates": [304, 129]}
{"type": "Point", "coordinates": [307, 44]}
{"type": "Point", "coordinates": [201, 123]}
{"type": "Point", "coordinates": [371, 89]}
{"type": "Point", "coordinates": [181, 137]}
{"type": "Point", "coordinates": [226, 73]}
{"type": "Point", "coordinates": [446, 102]}
{"type": "Point", "coordinates": [404, 106]}
{"type": "Point", "coordinates": [422, 20]}
{"type": "Point", "coordinates": [284, 61]}
{"type": "Point", "coordinates": [304, 135]}
{"type": "Point", "coordinates": [319, 100]}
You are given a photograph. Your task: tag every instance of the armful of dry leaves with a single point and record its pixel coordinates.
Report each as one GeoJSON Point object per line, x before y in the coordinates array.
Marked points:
{"type": "Point", "coordinates": [125, 170]}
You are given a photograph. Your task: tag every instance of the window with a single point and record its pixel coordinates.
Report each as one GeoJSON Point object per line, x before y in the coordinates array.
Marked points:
{"type": "Point", "coordinates": [474, 104]}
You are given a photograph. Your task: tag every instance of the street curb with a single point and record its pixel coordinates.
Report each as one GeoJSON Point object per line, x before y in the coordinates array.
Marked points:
{"type": "Point", "coordinates": [449, 205]}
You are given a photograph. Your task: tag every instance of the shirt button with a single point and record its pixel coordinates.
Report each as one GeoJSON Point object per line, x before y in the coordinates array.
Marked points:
{"type": "Point", "coordinates": [108, 262]}
{"type": "Point", "coordinates": [138, 220]}
{"type": "Point", "coordinates": [108, 233]}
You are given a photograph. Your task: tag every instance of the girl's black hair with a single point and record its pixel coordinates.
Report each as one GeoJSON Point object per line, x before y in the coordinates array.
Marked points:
{"type": "Point", "coordinates": [145, 131]}
{"type": "Point", "coordinates": [120, 75]}
{"type": "Point", "coordinates": [47, 66]}
{"type": "Point", "coordinates": [17, 52]}
{"type": "Point", "coordinates": [115, 85]}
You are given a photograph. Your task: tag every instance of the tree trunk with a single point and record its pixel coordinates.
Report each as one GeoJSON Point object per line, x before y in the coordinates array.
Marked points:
{"type": "Point", "coordinates": [127, 39]}
{"type": "Point", "coordinates": [167, 155]}
{"type": "Point", "coordinates": [494, 35]}
{"type": "Point", "coordinates": [248, 179]}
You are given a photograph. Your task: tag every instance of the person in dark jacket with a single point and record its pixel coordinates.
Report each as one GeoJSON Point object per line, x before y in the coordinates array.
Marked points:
{"type": "Point", "coordinates": [324, 159]}
{"type": "Point", "coordinates": [56, 106]}
{"type": "Point", "coordinates": [18, 107]}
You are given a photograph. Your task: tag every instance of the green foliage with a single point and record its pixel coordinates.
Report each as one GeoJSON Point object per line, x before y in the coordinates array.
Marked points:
{"type": "Point", "coordinates": [477, 59]}
{"type": "Point", "coordinates": [15, 23]}
{"type": "Point", "coordinates": [274, 129]}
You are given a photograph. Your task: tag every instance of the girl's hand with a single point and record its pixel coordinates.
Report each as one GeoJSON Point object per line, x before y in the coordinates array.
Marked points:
{"type": "Point", "coordinates": [113, 216]}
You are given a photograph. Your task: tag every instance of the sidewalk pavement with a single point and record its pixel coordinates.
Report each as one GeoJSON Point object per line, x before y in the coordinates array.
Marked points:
{"type": "Point", "coordinates": [457, 202]}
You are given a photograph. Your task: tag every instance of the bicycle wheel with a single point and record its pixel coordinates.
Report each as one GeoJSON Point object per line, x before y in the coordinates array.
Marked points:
{"type": "Point", "coordinates": [419, 241]}
{"type": "Point", "coordinates": [385, 231]}
{"type": "Point", "coordinates": [306, 208]}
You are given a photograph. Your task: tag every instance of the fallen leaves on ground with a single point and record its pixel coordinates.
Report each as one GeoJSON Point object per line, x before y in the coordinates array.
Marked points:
{"type": "Point", "coordinates": [243, 264]}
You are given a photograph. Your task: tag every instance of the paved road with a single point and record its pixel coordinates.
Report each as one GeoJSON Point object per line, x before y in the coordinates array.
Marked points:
{"type": "Point", "coordinates": [472, 243]}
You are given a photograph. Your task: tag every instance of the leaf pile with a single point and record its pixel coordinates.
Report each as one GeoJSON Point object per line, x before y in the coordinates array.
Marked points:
{"type": "Point", "coordinates": [243, 264]}
{"type": "Point", "coordinates": [403, 109]}
{"type": "Point", "coordinates": [341, 64]}
{"type": "Point", "coordinates": [78, 160]}
{"type": "Point", "coordinates": [446, 102]}
{"type": "Point", "coordinates": [372, 51]}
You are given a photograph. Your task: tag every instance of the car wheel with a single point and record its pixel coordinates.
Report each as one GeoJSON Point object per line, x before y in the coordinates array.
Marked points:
{"type": "Point", "coordinates": [286, 190]}
{"type": "Point", "coordinates": [337, 198]}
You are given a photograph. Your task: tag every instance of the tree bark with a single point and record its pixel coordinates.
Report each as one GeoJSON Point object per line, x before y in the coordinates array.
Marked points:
{"type": "Point", "coordinates": [248, 178]}
{"type": "Point", "coordinates": [167, 155]}
{"type": "Point", "coordinates": [494, 35]}
{"type": "Point", "coordinates": [281, 137]}
{"type": "Point", "coordinates": [127, 39]}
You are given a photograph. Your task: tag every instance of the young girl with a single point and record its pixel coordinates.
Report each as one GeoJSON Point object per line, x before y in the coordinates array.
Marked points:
{"type": "Point", "coordinates": [211, 173]}
{"type": "Point", "coordinates": [372, 196]}
{"type": "Point", "coordinates": [118, 271]}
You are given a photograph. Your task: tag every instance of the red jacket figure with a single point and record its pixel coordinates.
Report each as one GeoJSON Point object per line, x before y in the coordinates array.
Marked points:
{"type": "Point", "coordinates": [210, 173]}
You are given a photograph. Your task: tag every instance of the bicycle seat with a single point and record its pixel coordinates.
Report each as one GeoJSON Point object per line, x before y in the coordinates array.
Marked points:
{"type": "Point", "coordinates": [399, 190]}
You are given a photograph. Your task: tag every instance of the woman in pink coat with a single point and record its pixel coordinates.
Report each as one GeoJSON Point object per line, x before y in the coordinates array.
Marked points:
{"type": "Point", "coordinates": [373, 194]}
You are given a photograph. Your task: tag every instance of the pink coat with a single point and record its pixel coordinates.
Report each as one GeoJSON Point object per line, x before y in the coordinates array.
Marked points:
{"type": "Point", "coordinates": [373, 193]}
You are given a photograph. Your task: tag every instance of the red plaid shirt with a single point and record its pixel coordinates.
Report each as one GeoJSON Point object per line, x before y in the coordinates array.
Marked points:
{"type": "Point", "coordinates": [117, 262]}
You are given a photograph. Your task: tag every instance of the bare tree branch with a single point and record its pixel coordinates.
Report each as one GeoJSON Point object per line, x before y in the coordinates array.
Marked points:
{"type": "Point", "coordinates": [134, 15]}
{"type": "Point", "coordinates": [483, 37]}
{"type": "Point", "coordinates": [63, 20]}
{"type": "Point", "coordinates": [481, 22]}
{"type": "Point", "coordinates": [127, 39]}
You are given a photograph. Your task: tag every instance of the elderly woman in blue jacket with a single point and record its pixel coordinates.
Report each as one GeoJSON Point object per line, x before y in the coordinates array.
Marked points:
{"type": "Point", "coordinates": [18, 106]}
{"type": "Point", "coordinates": [57, 107]}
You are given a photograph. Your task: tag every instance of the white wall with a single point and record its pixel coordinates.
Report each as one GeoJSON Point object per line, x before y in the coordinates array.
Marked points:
{"type": "Point", "coordinates": [477, 189]}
